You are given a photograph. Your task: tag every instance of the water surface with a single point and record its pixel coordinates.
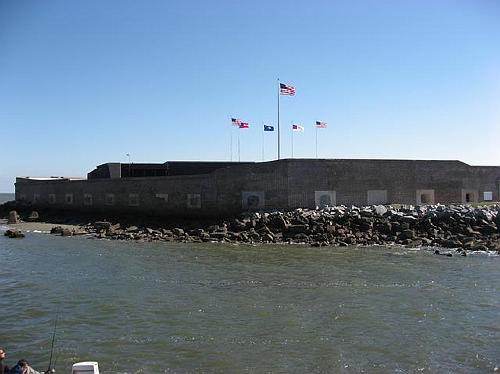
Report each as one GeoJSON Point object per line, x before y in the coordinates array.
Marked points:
{"type": "Point", "coordinates": [156, 307]}
{"type": "Point", "coordinates": [4, 197]}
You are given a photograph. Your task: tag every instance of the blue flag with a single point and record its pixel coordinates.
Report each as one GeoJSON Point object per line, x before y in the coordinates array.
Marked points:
{"type": "Point", "coordinates": [268, 128]}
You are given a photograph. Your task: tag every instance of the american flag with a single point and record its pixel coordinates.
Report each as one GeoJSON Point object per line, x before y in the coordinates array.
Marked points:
{"type": "Point", "coordinates": [235, 121]}
{"type": "Point", "coordinates": [244, 125]}
{"type": "Point", "coordinates": [297, 128]}
{"type": "Point", "coordinates": [285, 89]}
{"type": "Point", "coordinates": [321, 125]}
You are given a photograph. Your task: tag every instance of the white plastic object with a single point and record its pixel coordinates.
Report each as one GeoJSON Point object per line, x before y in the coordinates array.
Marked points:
{"type": "Point", "coordinates": [88, 367]}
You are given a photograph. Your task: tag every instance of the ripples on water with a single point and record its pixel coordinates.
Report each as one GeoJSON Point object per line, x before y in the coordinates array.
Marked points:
{"type": "Point", "coordinates": [143, 308]}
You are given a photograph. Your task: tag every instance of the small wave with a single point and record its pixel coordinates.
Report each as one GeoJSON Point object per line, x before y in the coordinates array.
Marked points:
{"type": "Point", "coordinates": [484, 253]}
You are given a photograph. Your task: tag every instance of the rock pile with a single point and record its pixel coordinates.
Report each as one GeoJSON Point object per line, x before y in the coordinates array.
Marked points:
{"type": "Point", "coordinates": [455, 226]}
{"type": "Point", "coordinates": [14, 234]}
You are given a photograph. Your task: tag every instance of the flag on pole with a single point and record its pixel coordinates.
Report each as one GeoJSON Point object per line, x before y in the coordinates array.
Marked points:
{"type": "Point", "coordinates": [321, 125]}
{"type": "Point", "coordinates": [297, 128]}
{"type": "Point", "coordinates": [286, 89]}
{"type": "Point", "coordinates": [244, 125]}
{"type": "Point", "coordinates": [268, 128]}
{"type": "Point", "coordinates": [235, 121]}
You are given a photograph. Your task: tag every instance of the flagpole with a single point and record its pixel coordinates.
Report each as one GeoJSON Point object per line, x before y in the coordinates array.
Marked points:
{"type": "Point", "coordinates": [316, 141]}
{"type": "Point", "coordinates": [262, 141]}
{"type": "Point", "coordinates": [231, 144]}
{"type": "Point", "coordinates": [239, 157]}
{"type": "Point", "coordinates": [278, 118]}
{"type": "Point", "coordinates": [292, 137]}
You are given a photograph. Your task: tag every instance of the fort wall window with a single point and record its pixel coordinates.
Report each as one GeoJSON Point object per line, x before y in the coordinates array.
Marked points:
{"type": "Point", "coordinates": [193, 200]}
{"type": "Point", "coordinates": [163, 196]}
{"type": "Point", "coordinates": [133, 199]}
{"type": "Point", "coordinates": [325, 198]}
{"type": "Point", "coordinates": [469, 196]}
{"type": "Point", "coordinates": [376, 197]}
{"type": "Point", "coordinates": [109, 199]}
{"type": "Point", "coordinates": [487, 196]}
{"type": "Point", "coordinates": [68, 198]}
{"type": "Point", "coordinates": [252, 199]}
{"type": "Point", "coordinates": [87, 199]}
{"type": "Point", "coordinates": [425, 197]}
{"type": "Point", "coordinates": [52, 198]}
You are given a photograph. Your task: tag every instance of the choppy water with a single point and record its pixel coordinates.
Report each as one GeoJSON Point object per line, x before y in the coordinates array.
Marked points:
{"type": "Point", "coordinates": [144, 308]}
{"type": "Point", "coordinates": [4, 197]}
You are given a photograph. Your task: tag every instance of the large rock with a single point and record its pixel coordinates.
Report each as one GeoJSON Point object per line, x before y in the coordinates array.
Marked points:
{"type": "Point", "coordinates": [488, 229]}
{"type": "Point", "coordinates": [380, 210]}
{"type": "Point", "coordinates": [13, 218]}
{"type": "Point", "coordinates": [297, 229]}
{"type": "Point", "coordinates": [56, 230]}
{"type": "Point", "coordinates": [14, 234]}
{"type": "Point", "coordinates": [66, 232]}
{"type": "Point", "coordinates": [407, 234]}
{"type": "Point", "coordinates": [178, 231]}
{"type": "Point", "coordinates": [34, 216]}
{"type": "Point", "coordinates": [102, 226]}
{"type": "Point", "coordinates": [277, 223]}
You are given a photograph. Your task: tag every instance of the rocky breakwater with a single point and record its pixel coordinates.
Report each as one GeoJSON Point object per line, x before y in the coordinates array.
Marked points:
{"type": "Point", "coordinates": [456, 226]}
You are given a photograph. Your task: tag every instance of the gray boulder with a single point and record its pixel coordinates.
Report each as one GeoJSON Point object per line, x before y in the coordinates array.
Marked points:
{"type": "Point", "coordinates": [14, 234]}
{"type": "Point", "coordinates": [13, 218]}
{"type": "Point", "coordinates": [102, 226]}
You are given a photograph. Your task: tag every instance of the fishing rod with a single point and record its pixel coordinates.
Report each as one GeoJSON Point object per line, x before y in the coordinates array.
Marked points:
{"type": "Point", "coordinates": [50, 369]}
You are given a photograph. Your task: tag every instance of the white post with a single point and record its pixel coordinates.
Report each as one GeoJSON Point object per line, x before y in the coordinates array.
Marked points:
{"type": "Point", "coordinates": [239, 156]}
{"type": "Point", "coordinates": [316, 141]}
{"type": "Point", "coordinates": [231, 143]}
{"type": "Point", "coordinates": [278, 118]}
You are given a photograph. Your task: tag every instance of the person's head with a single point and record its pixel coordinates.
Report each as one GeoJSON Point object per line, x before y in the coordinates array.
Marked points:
{"type": "Point", "coordinates": [2, 353]}
{"type": "Point", "coordinates": [23, 365]}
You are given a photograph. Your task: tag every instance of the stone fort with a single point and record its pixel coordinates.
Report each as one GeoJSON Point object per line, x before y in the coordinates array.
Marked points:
{"type": "Point", "coordinates": [191, 188]}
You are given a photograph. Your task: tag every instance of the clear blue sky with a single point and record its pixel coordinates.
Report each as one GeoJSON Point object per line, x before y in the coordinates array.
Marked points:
{"type": "Point", "coordinates": [86, 82]}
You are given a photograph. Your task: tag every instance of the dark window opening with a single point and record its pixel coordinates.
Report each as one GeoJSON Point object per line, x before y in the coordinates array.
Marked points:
{"type": "Point", "coordinates": [425, 198]}
{"type": "Point", "coordinates": [253, 201]}
{"type": "Point", "coordinates": [325, 200]}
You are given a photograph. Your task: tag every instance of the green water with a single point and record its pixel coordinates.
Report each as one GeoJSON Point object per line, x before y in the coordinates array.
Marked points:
{"type": "Point", "coordinates": [181, 308]}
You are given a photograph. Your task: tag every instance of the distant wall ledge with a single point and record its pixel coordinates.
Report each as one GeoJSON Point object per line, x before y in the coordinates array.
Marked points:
{"type": "Point", "coordinates": [52, 178]}
{"type": "Point", "coordinates": [114, 170]}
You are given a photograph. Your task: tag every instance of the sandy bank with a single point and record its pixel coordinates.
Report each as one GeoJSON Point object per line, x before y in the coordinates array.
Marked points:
{"type": "Point", "coordinates": [34, 226]}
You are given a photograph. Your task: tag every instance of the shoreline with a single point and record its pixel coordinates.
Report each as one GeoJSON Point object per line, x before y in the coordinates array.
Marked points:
{"type": "Point", "coordinates": [463, 228]}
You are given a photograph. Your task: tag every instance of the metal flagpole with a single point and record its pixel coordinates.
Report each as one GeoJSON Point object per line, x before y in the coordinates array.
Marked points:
{"type": "Point", "coordinates": [278, 118]}
{"type": "Point", "coordinates": [239, 158]}
{"type": "Point", "coordinates": [292, 137]}
{"type": "Point", "coordinates": [231, 143]}
{"type": "Point", "coordinates": [262, 141]}
{"type": "Point", "coordinates": [316, 141]}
